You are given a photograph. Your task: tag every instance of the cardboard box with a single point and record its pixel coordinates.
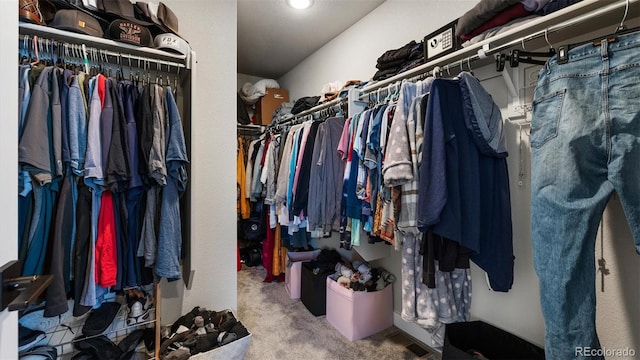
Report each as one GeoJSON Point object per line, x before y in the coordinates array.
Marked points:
{"type": "Point", "coordinates": [358, 314]}
{"type": "Point", "coordinates": [268, 103]}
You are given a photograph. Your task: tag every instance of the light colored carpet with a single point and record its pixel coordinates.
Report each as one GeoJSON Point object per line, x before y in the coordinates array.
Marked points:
{"type": "Point", "coordinates": [282, 328]}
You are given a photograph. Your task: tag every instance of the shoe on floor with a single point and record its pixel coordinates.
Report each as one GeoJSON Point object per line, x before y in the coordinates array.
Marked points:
{"type": "Point", "coordinates": [99, 319]}
{"type": "Point", "coordinates": [29, 338]}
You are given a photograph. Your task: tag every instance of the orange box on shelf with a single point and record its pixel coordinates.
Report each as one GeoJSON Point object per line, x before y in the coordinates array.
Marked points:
{"type": "Point", "coordinates": [268, 103]}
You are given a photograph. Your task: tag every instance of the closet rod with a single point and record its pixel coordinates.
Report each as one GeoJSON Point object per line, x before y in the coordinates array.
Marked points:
{"type": "Point", "coordinates": [315, 109]}
{"type": "Point", "coordinates": [251, 127]}
{"type": "Point", "coordinates": [545, 23]}
{"type": "Point", "coordinates": [129, 58]}
{"type": "Point", "coordinates": [105, 44]}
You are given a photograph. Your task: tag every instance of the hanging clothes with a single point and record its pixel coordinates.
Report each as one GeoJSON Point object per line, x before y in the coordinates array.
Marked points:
{"type": "Point", "coordinates": [279, 255]}
{"type": "Point", "coordinates": [82, 199]}
{"type": "Point", "coordinates": [468, 170]}
{"type": "Point", "coordinates": [38, 155]}
{"type": "Point", "coordinates": [243, 205]}
{"type": "Point", "coordinates": [325, 178]}
{"type": "Point", "coordinates": [170, 231]}
{"type": "Point", "coordinates": [449, 300]}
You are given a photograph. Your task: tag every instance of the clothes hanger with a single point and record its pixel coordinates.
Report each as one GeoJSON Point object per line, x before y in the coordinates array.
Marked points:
{"type": "Point", "coordinates": [435, 72]}
{"type": "Point", "coordinates": [158, 70]}
{"type": "Point", "coordinates": [175, 82]}
{"type": "Point", "coordinates": [35, 49]}
{"type": "Point", "coordinates": [119, 71]}
{"type": "Point", "coordinates": [147, 69]}
{"type": "Point", "coordinates": [620, 30]}
{"type": "Point", "coordinates": [515, 56]}
{"type": "Point", "coordinates": [546, 38]}
{"type": "Point", "coordinates": [45, 51]}
{"type": "Point", "coordinates": [130, 70]}
{"type": "Point", "coordinates": [21, 51]}
{"type": "Point", "coordinates": [92, 63]}
{"type": "Point", "coordinates": [167, 75]}
{"type": "Point", "coordinates": [52, 52]}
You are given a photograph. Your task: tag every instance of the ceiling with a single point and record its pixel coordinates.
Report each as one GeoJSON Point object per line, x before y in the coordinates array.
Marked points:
{"type": "Point", "coordinates": [273, 37]}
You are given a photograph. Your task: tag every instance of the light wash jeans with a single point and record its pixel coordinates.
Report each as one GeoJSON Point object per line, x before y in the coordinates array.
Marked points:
{"type": "Point", "coordinates": [585, 140]}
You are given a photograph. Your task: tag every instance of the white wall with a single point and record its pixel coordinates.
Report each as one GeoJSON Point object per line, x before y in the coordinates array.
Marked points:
{"type": "Point", "coordinates": [9, 159]}
{"type": "Point", "coordinates": [618, 315]}
{"type": "Point", "coordinates": [210, 26]}
{"type": "Point", "coordinates": [353, 54]}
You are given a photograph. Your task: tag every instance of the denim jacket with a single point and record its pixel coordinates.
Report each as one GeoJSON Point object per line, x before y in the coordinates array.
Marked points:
{"type": "Point", "coordinates": [485, 124]}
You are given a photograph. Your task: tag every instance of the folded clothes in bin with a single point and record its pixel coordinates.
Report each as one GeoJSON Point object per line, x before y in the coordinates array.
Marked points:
{"type": "Point", "coordinates": [470, 340]}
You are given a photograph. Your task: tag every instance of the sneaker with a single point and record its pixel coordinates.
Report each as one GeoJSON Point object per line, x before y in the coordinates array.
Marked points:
{"type": "Point", "coordinates": [142, 317]}
{"type": "Point", "coordinates": [138, 308]}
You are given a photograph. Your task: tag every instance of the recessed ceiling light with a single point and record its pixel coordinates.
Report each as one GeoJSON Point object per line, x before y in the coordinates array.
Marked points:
{"type": "Point", "coordinates": [300, 4]}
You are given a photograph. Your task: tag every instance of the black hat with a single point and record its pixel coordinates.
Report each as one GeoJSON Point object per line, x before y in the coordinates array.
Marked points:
{"type": "Point", "coordinates": [120, 9]}
{"type": "Point", "coordinates": [77, 21]}
{"type": "Point", "coordinates": [129, 32]}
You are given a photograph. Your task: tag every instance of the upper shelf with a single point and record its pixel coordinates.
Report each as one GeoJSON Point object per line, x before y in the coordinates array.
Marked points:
{"type": "Point", "coordinates": [107, 44]}
{"type": "Point", "coordinates": [564, 25]}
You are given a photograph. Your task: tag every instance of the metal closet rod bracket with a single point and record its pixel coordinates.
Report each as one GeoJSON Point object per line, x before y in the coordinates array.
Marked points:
{"type": "Point", "coordinates": [18, 292]}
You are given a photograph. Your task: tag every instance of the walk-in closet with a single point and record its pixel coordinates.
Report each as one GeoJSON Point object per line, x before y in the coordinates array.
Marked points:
{"type": "Point", "coordinates": [414, 179]}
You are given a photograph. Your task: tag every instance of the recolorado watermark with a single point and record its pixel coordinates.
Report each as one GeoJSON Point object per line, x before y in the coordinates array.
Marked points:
{"type": "Point", "coordinates": [587, 351]}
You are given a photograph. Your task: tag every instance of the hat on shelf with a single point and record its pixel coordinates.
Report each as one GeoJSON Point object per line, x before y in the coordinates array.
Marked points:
{"type": "Point", "coordinates": [119, 9]}
{"type": "Point", "coordinates": [29, 11]}
{"type": "Point", "coordinates": [124, 26]}
{"type": "Point", "coordinates": [77, 21]}
{"type": "Point", "coordinates": [164, 19]}
{"type": "Point", "coordinates": [129, 32]}
{"type": "Point", "coordinates": [172, 43]}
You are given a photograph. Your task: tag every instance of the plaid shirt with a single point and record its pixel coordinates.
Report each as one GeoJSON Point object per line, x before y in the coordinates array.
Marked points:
{"type": "Point", "coordinates": [401, 160]}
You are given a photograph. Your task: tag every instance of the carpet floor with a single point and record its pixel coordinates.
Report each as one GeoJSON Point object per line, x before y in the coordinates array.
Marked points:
{"type": "Point", "coordinates": [282, 328]}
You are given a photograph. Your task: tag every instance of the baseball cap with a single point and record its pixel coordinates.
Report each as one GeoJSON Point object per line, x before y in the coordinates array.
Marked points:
{"type": "Point", "coordinates": [129, 32]}
{"type": "Point", "coordinates": [172, 42]}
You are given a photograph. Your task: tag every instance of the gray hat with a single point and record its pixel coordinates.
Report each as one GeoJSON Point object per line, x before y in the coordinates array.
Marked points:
{"type": "Point", "coordinates": [77, 21]}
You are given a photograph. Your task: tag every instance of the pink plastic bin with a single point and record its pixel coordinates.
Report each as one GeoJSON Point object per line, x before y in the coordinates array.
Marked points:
{"type": "Point", "coordinates": [358, 314]}
{"type": "Point", "coordinates": [292, 276]}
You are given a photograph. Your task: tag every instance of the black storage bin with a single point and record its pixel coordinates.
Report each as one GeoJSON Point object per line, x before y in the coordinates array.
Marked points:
{"type": "Point", "coordinates": [461, 339]}
{"type": "Point", "coordinates": [313, 287]}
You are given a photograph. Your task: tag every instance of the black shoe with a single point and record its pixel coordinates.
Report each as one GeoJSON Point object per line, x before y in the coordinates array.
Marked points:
{"type": "Point", "coordinates": [129, 344]}
{"type": "Point", "coordinates": [29, 338]}
{"type": "Point", "coordinates": [99, 319]}
{"type": "Point", "coordinates": [100, 347]}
